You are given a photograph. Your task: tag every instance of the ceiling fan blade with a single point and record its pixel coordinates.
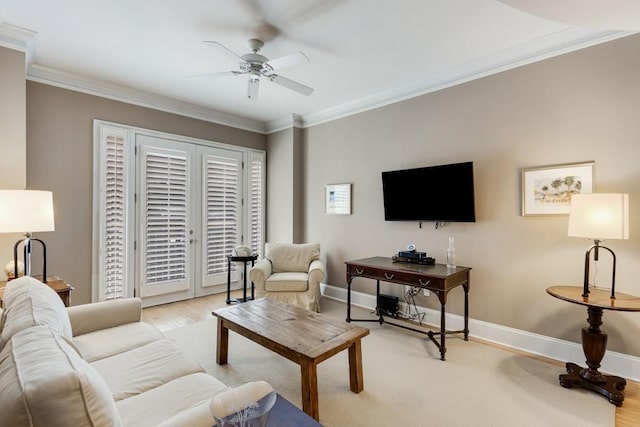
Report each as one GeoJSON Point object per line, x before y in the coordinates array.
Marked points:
{"type": "Point", "coordinates": [224, 49]}
{"type": "Point", "coordinates": [255, 9]}
{"type": "Point", "coordinates": [215, 75]}
{"type": "Point", "coordinates": [306, 11]}
{"type": "Point", "coordinates": [252, 88]}
{"type": "Point", "coordinates": [290, 84]}
{"type": "Point", "coordinates": [287, 61]}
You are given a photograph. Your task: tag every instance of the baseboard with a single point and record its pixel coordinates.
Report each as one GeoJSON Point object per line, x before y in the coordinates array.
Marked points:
{"type": "Point", "coordinates": [614, 363]}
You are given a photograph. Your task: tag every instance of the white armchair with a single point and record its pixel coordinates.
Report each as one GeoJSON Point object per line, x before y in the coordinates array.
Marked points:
{"type": "Point", "coordinates": [290, 273]}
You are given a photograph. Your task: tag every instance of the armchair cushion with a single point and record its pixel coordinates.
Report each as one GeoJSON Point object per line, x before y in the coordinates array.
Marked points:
{"type": "Point", "coordinates": [287, 282]}
{"type": "Point", "coordinates": [290, 257]}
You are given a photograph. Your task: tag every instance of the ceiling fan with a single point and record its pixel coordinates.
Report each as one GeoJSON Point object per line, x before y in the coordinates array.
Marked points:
{"type": "Point", "coordinates": [255, 66]}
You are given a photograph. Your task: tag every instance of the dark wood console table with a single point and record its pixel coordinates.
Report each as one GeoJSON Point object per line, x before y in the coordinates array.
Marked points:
{"type": "Point", "coordinates": [436, 278]}
{"type": "Point", "coordinates": [594, 341]}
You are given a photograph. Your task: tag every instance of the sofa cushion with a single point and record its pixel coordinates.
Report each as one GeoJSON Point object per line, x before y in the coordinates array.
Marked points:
{"type": "Point", "coordinates": [29, 302]}
{"type": "Point", "coordinates": [189, 393]}
{"type": "Point", "coordinates": [287, 282]}
{"type": "Point", "coordinates": [111, 341]}
{"type": "Point", "coordinates": [143, 368]}
{"type": "Point", "coordinates": [291, 257]}
{"type": "Point", "coordinates": [44, 381]}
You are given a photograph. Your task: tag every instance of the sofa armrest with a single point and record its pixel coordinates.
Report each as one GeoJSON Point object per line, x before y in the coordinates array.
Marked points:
{"type": "Point", "coordinates": [87, 318]}
{"type": "Point", "coordinates": [316, 273]}
{"type": "Point", "coordinates": [260, 272]}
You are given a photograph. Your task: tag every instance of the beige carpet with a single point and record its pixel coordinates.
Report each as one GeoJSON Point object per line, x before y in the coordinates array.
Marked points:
{"type": "Point", "coordinates": [406, 384]}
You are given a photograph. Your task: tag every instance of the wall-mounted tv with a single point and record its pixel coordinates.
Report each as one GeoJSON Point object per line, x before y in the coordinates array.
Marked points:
{"type": "Point", "coordinates": [435, 193]}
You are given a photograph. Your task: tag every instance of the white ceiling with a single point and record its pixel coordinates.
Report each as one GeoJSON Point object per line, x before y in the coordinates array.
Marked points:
{"type": "Point", "coordinates": [362, 53]}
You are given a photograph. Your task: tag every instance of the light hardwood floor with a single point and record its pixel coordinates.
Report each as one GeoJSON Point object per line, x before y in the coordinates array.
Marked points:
{"type": "Point", "coordinates": [175, 315]}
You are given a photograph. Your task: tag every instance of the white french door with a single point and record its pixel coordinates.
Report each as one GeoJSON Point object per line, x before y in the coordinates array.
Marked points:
{"type": "Point", "coordinates": [164, 217]}
{"type": "Point", "coordinates": [189, 217]}
{"type": "Point", "coordinates": [169, 210]}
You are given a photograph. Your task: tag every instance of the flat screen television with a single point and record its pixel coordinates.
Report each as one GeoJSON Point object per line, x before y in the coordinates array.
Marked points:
{"type": "Point", "coordinates": [435, 193]}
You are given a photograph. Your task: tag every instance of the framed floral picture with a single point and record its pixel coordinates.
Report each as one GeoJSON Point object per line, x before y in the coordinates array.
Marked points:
{"type": "Point", "coordinates": [547, 190]}
{"type": "Point", "coordinates": [337, 199]}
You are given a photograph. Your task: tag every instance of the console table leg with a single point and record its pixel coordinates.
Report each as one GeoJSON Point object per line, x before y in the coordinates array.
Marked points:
{"type": "Point", "coordinates": [378, 311]}
{"type": "Point", "coordinates": [348, 299]}
{"type": "Point", "coordinates": [443, 332]}
{"type": "Point", "coordinates": [466, 311]}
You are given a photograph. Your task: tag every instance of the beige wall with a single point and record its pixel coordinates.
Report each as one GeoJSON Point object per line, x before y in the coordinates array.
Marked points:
{"type": "Point", "coordinates": [279, 187]}
{"type": "Point", "coordinates": [577, 107]}
{"type": "Point", "coordinates": [284, 186]}
{"type": "Point", "coordinates": [298, 185]}
{"type": "Point", "coordinates": [13, 135]}
{"type": "Point", "coordinates": [13, 118]}
{"type": "Point", "coordinates": [60, 159]}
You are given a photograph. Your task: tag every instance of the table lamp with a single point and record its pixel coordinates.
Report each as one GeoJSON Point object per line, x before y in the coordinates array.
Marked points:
{"type": "Point", "coordinates": [599, 216]}
{"type": "Point", "coordinates": [27, 211]}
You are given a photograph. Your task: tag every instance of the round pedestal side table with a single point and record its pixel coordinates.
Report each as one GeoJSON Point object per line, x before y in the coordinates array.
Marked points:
{"type": "Point", "coordinates": [594, 341]}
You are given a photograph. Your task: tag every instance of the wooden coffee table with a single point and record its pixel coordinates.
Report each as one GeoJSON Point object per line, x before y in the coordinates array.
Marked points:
{"type": "Point", "coordinates": [300, 335]}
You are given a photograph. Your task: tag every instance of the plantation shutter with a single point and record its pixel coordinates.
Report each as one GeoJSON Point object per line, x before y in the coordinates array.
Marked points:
{"type": "Point", "coordinates": [256, 202]}
{"type": "Point", "coordinates": [165, 222]}
{"type": "Point", "coordinates": [111, 280]}
{"type": "Point", "coordinates": [222, 202]}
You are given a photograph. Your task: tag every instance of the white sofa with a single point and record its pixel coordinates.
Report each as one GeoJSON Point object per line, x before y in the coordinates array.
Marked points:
{"type": "Point", "coordinates": [93, 365]}
{"type": "Point", "coordinates": [290, 273]}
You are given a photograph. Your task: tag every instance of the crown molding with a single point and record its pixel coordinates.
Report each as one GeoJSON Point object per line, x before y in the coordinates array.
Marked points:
{"type": "Point", "coordinates": [40, 74]}
{"type": "Point", "coordinates": [549, 46]}
{"type": "Point", "coordinates": [17, 38]}
{"type": "Point", "coordinates": [542, 48]}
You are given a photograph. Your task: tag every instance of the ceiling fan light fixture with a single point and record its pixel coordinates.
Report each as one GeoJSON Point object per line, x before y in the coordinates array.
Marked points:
{"type": "Point", "coordinates": [256, 65]}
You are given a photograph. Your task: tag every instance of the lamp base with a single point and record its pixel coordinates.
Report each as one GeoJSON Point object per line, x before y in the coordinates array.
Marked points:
{"type": "Point", "coordinates": [27, 257]}
{"type": "Point", "coordinates": [587, 258]}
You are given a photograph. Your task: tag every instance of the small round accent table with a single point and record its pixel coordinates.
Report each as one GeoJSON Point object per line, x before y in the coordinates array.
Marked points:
{"type": "Point", "coordinates": [594, 341]}
{"type": "Point", "coordinates": [244, 260]}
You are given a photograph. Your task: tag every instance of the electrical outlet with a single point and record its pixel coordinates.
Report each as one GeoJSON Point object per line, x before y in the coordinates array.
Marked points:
{"type": "Point", "coordinates": [425, 292]}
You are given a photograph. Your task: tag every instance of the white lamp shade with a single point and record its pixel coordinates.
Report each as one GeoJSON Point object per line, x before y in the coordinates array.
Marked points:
{"type": "Point", "coordinates": [26, 211]}
{"type": "Point", "coordinates": [599, 216]}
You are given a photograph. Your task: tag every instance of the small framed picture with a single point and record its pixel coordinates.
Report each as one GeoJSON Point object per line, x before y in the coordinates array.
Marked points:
{"type": "Point", "coordinates": [337, 199]}
{"type": "Point", "coordinates": [547, 190]}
